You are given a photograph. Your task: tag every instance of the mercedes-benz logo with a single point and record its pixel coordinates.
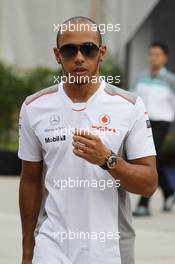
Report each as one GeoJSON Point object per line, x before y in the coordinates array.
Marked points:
{"type": "Point", "coordinates": [54, 120]}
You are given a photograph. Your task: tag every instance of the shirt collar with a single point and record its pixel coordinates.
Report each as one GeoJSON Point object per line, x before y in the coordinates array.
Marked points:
{"type": "Point", "coordinates": [162, 72]}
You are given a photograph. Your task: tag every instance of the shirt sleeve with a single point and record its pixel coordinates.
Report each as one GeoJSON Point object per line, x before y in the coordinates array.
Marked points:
{"type": "Point", "coordinates": [172, 83]}
{"type": "Point", "coordinates": [139, 141]}
{"type": "Point", "coordinates": [29, 145]}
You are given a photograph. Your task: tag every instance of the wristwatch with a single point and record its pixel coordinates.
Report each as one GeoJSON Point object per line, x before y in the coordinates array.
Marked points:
{"type": "Point", "coordinates": [111, 161]}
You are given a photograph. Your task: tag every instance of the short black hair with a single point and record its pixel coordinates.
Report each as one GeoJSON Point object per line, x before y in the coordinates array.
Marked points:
{"type": "Point", "coordinates": [161, 45]}
{"type": "Point", "coordinates": [77, 19]}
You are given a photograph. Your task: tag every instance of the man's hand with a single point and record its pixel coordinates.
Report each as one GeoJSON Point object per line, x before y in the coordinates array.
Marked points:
{"type": "Point", "coordinates": [89, 147]}
{"type": "Point", "coordinates": [26, 261]}
{"type": "Point", "coordinates": [27, 251]}
{"type": "Point", "coordinates": [27, 256]}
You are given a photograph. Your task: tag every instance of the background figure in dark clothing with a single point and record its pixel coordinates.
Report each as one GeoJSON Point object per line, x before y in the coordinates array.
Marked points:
{"type": "Point", "coordinates": [160, 129]}
{"type": "Point", "coordinates": [157, 89]}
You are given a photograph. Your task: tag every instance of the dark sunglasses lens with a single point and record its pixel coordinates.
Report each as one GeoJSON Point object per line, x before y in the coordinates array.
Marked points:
{"type": "Point", "coordinates": [89, 50]}
{"type": "Point", "coordinates": [68, 51]}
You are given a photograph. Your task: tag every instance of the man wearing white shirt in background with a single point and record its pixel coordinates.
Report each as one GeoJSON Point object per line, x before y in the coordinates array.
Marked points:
{"type": "Point", "coordinates": [156, 87]}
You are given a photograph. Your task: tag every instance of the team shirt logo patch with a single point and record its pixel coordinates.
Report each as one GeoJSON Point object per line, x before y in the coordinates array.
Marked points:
{"type": "Point", "coordinates": [104, 119]}
{"type": "Point", "coordinates": [56, 138]}
{"type": "Point", "coordinates": [54, 120]}
{"type": "Point", "coordinates": [148, 123]}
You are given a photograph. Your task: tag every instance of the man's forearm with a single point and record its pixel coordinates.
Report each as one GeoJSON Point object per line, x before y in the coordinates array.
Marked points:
{"type": "Point", "coordinates": [138, 179]}
{"type": "Point", "coordinates": [30, 197]}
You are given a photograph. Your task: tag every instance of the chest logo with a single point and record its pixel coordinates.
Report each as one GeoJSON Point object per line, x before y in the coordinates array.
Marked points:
{"type": "Point", "coordinates": [104, 119]}
{"type": "Point", "coordinates": [54, 120]}
{"type": "Point", "coordinates": [54, 139]}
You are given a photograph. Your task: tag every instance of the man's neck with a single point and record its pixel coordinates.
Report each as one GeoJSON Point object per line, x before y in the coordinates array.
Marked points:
{"type": "Point", "coordinates": [155, 71]}
{"type": "Point", "coordinates": [80, 92]}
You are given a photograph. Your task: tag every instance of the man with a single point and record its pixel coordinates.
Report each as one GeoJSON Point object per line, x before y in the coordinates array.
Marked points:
{"type": "Point", "coordinates": [156, 87]}
{"type": "Point", "coordinates": [106, 121]}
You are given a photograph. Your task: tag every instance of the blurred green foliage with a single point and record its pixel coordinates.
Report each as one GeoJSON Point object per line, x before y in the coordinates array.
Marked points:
{"type": "Point", "coordinates": [17, 84]}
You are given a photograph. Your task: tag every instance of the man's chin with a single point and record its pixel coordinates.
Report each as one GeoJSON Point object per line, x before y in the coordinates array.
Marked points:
{"type": "Point", "coordinates": [80, 83]}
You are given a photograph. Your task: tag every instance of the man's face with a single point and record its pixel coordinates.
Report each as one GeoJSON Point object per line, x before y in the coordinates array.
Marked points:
{"type": "Point", "coordinates": [156, 57]}
{"type": "Point", "coordinates": [80, 65]}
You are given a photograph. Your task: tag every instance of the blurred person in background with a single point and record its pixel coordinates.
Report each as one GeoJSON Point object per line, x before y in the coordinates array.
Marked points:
{"type": "Point", "coordinates": [156, 87]}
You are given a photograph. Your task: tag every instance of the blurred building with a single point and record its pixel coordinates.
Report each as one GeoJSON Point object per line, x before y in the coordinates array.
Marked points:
{"type": "Point", "coordinates": [27, 31]}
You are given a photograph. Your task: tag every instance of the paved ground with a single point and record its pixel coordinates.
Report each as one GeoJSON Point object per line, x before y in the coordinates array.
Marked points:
{"type": "Point", "coordinates": [155, 243]}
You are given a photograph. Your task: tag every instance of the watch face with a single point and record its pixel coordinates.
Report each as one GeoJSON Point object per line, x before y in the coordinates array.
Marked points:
{"type": "Point", "coordinates": [112, 162]}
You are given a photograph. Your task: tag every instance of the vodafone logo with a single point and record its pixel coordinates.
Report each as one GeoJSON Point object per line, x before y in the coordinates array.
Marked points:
{"type": "Point", "coordinates": [104, 119]}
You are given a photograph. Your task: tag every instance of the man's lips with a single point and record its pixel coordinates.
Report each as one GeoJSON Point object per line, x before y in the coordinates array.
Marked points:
{"type": "Point", "coordinates": [80, 70]}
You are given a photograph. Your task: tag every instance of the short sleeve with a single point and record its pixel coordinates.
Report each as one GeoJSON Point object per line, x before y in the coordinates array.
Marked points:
{"type": "Point", "coordinates": [173, 83]}
{"type": "Point", "coordinates": [29, 145]}
{"type": "Point", "coordinates": [172, 98]}
{"type": "Point", "coordinates": [139, 142]}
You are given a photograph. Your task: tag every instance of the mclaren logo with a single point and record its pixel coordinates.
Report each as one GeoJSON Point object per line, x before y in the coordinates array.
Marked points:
{"type": "Point", "coordinates": [54, 139]}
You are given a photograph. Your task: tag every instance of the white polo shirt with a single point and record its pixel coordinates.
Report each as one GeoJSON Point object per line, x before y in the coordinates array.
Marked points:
{"type": "Point", "coordinates": [84, 212]}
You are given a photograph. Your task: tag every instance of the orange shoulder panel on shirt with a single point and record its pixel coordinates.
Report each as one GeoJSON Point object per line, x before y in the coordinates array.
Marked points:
{"type": "Point", "coordinates": [40, 93]}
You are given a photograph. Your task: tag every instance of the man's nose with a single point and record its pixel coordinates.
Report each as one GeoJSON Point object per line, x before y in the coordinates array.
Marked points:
{"type": "Point", "coordinates": [79, 57]}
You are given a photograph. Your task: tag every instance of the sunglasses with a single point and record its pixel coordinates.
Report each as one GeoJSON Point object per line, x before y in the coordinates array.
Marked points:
{"type": "Point", "coordinates": [88, 49]}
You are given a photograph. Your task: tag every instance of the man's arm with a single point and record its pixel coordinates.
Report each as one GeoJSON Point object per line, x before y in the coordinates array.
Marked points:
{"type": "Point", "coordinates": [30, 197]}
{"type": "Point", "coordinates": [137, 176]}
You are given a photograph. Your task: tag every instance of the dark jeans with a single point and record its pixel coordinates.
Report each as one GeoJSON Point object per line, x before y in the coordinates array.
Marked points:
{"type": "Point", "coordinates": [160, 130]}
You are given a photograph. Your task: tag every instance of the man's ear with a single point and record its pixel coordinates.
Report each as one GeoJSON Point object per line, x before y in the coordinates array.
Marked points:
{"type": "Point", "coordinates": [103, 51]}
{"type": "Point", "coordinates": [57, 55]}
